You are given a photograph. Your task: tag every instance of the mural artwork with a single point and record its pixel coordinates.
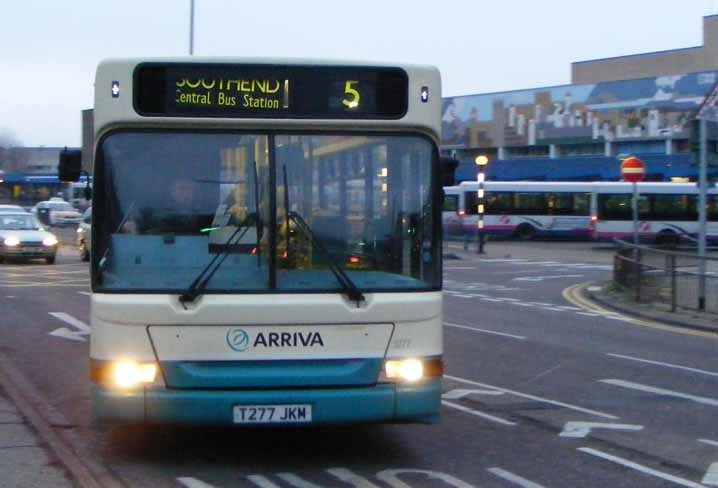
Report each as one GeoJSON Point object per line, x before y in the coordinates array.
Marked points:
{"type": "Point", "coordinates": [646, 108]}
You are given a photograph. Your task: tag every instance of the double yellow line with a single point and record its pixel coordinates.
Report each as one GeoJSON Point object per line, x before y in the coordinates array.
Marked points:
{"type": "Point", "coordinates": [575, 295]}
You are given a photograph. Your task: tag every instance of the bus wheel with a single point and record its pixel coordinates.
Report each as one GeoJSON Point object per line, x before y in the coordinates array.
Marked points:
{"type": "Point", "coordinates": [667, 239]}
{"type": "Point", "coordinates": [525, 232]}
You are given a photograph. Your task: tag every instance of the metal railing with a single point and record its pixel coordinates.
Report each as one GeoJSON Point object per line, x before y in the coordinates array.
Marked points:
{"type": "Point", "coordinates": [668, 278]}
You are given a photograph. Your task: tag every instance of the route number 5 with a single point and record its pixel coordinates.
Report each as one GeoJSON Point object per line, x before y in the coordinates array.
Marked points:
{"type": "Point", "coordinates": [352, 95]}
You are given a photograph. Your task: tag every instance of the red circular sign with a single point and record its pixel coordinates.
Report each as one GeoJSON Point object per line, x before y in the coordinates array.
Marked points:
{"type": "Point", "coordinates": [633, 169]}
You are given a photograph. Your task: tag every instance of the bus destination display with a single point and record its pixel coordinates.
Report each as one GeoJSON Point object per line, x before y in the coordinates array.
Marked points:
{"type": "Point", "coordinates": [241, 91]}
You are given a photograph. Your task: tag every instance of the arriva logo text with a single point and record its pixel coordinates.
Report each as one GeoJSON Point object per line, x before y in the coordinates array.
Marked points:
{"type": "Point", "coordinates": [239, 340]}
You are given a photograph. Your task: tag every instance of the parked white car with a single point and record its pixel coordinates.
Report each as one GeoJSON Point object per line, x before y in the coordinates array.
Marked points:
{"type": "Point", "coordinates": [6, 208]}
{"type": "Point", "coordinates": [84, 235]}
{"type": "Point", "coordinates": [57, 212]}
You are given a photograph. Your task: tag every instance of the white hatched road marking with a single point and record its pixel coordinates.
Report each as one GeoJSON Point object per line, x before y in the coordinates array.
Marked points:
{"type": "Point", "coordinates": [513, 478]}
{"type": "Point", "coordinates": [347, 476]}
{"type": "Point", "coordinates": [391, 478]}
{"type": "Point", "coordinates": [477, 413]}
{"type": "Point", "coordinates": [659, 363]}
{"type": "Point", "coordinates": [534, 397]}
{"type": "Point", "coordinates": [662, 391]}
{"type": "Point", "coordinates": [493, 332]}
{"type": "Point", "coordinates": [641, 468]}
{"type": "Point", "coordinates": [261, 481]}
{"type": "Point", "coordinates": [193, 483]}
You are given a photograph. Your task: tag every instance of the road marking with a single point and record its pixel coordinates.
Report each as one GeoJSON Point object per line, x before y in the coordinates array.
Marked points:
{"type": "Point", "coordinates": [572, 295]}
{"type": "Point", "coordinates": [493, 299]}
{"type": "Point", "coordinates": [711, 476]}
{"type": "Point", "coordinates": [659, 363]}
{"type": "Point", "coordinates": [461, 393]}
{"type": "Point", "coordinates": [550, 277]}
{"type": "Point", "coordinates": [662, 391]}
{"type": "Point", "coordinates": [193, 483]}
{"type": "Point", "coordinates": [709, 442]}
{"type": "Point", "coordinates": [461, 267]}
{"type": "Point", "coordinates": [347, 476]}
{"type": "Point", "coordinates": [84, 293]}
{"type": "Point", "coordinates": [508, 299]}
{"type": "Point", "coordinates": [296, 481]}
{"type": "Point", "coordinates": [493, 332]}
{"type": "Point", "coordinates": [513, 478]}
{"type": "Point", "coordinates": [589, 314]}
{"type": "Point", "coordinates": [477, 413]}
{"type": "Point", "coordinates": [534, 397]}
{"type": "Point", "coordinates": [640, 467]}
{"type": "Point", "coordinates": [391, 478]}
{"type": "Point", "coordinates": [582, 429]}
{"type": "Point", "coordinates": [458, 295]}
{"type": "Point", "coordinates": [594, 288]}
{"type": "Point", "coordinates": [504, 260]}
{"type": "Point", "coordinates": [74, 335]}
{"type": "Point", "coordinates": [261, 481]}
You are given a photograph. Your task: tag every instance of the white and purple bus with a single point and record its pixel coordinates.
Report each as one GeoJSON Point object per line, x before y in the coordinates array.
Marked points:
{"type": "Point", "coordinates": [668, 212]}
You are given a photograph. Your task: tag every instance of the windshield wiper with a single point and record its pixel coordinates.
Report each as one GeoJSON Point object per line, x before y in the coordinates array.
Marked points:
{"type": "Point", "coordinates": [198, 285]}
{"type": "Point", "coordinates": [350, 289]}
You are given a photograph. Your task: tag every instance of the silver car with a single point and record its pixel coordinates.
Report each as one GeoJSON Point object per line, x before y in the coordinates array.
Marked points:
{"type": "Point", "coordinates": [4, 208]}
{"type": "Point", "coordinates": [22, 237]}
{"type": "Point", "coordinates": [84, 235]}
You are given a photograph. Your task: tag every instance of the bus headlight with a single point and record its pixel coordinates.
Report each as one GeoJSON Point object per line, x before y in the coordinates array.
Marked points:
{"type": "Point", "coordinates": [409, 370]}
{"type": "Point", "coordinates": [49, 241]}
{"type": "Point", "coordinates": [129, 374]}
{"type": "Point", "coordinates": [12, 241]}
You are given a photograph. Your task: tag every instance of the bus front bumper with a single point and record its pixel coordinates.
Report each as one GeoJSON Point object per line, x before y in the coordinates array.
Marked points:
{"type": "Point", "coordinates": [397, 403]}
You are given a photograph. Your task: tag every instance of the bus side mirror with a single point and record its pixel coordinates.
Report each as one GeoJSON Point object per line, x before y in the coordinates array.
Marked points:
{"type": "Point", "coordinates": [69, 167]}
{"type": "Point", "coordinates": [448, 167]}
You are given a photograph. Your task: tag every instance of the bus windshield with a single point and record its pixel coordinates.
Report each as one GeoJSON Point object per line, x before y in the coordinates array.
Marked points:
{"type": "Point", "coordinates": [172, 201]}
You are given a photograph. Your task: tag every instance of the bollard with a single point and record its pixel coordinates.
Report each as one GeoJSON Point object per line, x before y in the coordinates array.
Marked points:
{"type": "Point", "coordinates": [673, 283]}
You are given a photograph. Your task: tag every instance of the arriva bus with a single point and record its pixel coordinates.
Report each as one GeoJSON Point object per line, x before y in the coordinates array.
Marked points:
{"type": "Point", "coordinates": [578, 210]}
{"type": "Point", "coordinates": [266, 242]}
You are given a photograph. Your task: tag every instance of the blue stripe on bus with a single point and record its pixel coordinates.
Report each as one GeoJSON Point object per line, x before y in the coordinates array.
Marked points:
{"type": "Point", "coordinates": [379, 403]}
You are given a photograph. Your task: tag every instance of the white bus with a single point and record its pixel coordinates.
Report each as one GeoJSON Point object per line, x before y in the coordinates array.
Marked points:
{"type": "Point", "coordinates": [577, 210]}
{"type": "Point", "coordinates": [266, 242]}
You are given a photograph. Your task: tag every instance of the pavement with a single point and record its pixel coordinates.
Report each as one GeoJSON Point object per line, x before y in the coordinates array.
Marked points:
{"type": "Point", "coordinates": [542, 389]}
{"type": "Point", "coordinates": [609, 295]}
{"type": "Point", "coordinates": [25, 462]}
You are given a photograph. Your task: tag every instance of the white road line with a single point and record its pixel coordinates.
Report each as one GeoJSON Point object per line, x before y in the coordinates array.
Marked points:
{"type": "Point", "coordinates": [514, 478]}
{"type": "Point", "coordinates": [493, 299]}
{"type": "Point", "coordinates": [193, 483]}
{"type": "Point", "coordinates": [477, 413]}
{"type": "Point", "coordinates": [504, 260]}
{"type": "Point", "coordinates": [544, 304]}
{"type": "Point", "coordinates": [566, 307]}
{"type": "Point", "coordinates": [534, 397]}
{"type": "Point", "coordinates": [553, 309]}
{"type": "Point", "coordinates": [462, 295]}
{"type": "Point", "coordinates": [589, 314]}
{"type": "Point", "coordinates": [84, 293]}
{"type": "Point", "coordinates": [69, 319]}
{"type": "Point", "coordinates": [493, 332]}
{"type": "Point", "coordinates": [662, 391]}
{"type": "Point", "coordinates": [549, 277]}
{"type": "Point", "coordinates": [296, 481]}
{"type": "Point", "coordinates": [510, 299]}
{"type": "Point", "coordinates": [461, 267]}
{"type": "Point", "coordinates": [659, 363]}
{"type": "Point", "coordinates": [522, 304]}
{"type": "Point", "coordinates": [641, 468]}
{"type": "Point", "coordinates": [709, 442]}
{"type": "Point", "coordinates": [711, 476]}
{"type": "Point", "coordinates": [261, 481]}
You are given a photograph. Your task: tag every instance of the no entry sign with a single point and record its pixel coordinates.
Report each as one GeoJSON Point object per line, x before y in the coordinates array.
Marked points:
{"type": "Point", "coordinates": [633, 169]}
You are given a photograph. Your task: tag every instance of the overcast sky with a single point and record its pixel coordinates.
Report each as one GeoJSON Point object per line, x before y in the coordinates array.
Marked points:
{"type": "Point", "coordinates": [49, 48]}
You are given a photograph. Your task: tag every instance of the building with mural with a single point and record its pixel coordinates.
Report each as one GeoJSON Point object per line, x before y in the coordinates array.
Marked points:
{"type": "Point", "coordinates": [579, 131]}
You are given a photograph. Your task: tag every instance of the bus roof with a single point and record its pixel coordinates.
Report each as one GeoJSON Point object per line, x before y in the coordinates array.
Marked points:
{"type": "Point", "coordinates": [116, 94]}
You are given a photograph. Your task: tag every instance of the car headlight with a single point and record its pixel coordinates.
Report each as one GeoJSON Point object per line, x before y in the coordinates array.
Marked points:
{"type": "Point", "coordinates": [50, 241]}
{"type": "Point", "coordinates": [12, 241]}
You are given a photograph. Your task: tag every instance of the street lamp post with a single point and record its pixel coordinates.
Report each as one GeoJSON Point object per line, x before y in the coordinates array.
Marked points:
{"type": "Point", "coordinates": [481, 163]}
{"type": "Point", "coordinates": [191, 27]}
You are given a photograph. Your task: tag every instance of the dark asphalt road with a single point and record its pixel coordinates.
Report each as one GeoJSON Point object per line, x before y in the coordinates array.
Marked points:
{"type": "Point", "coordinates": [522, 362]}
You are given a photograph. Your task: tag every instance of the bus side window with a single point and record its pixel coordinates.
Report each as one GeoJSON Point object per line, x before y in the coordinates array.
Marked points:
{"type": "Point", "coordinates": [712, 208]}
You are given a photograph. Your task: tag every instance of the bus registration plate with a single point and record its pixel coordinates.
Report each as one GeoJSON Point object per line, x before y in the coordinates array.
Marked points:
{"type": "Point", "coordinates": [272, 414]}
